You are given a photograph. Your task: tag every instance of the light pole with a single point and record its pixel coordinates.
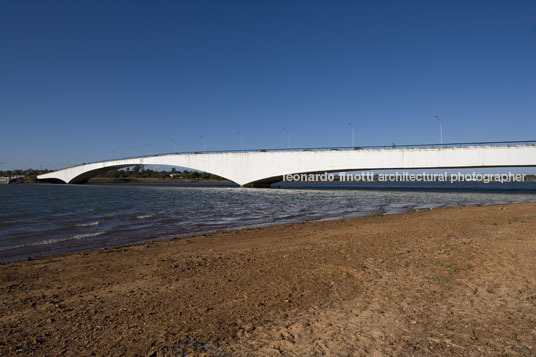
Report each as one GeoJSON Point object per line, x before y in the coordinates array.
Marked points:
{"type": "Point", "coordinates": [241, 141]}
{"type": "Point", "coordinates": [175, 145]}
{"type": "Point", "coordinates": [204, 142]}
{"type": "Point", "coordinates": [440, 130]}
{"type": "Point", "coordinates": [288, 133]}
{"type": "Point", "coordinates": [353, 134]}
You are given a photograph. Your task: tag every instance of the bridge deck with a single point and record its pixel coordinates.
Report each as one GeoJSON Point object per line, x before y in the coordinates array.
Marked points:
{"type": "Point", "coordinates": [247, 167]}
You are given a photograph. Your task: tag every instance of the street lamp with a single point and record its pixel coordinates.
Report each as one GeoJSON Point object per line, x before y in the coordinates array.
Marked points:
{"type": "Point", "coordinates": [288, 133]}
{"type": "Point", "coordinates": [204, 142]}
{"type": "Point", "coordinates": [353, 134]}
{"type": "Point", "coordinates": [440, 130]}
{"type": "Point", "coordinates": [241, 141]}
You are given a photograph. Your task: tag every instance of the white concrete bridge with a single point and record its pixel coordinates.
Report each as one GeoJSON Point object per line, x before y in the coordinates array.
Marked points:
{"type": "Point", "coordinates": [261, 168]}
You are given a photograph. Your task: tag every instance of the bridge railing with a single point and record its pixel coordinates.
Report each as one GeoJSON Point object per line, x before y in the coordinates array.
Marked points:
{"type": "Point", "coordinates": [337, 148]}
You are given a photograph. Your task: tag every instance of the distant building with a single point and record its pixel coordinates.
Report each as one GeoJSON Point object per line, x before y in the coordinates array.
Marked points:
{"type": "Point", "coordinates": [9, 179]}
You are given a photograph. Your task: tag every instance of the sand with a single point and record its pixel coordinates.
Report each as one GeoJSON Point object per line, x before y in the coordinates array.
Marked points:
{"type": "Point", "coordinates": [442, 282]}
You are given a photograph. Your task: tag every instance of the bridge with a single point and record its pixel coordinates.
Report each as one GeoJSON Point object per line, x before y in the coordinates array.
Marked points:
{"type": "Point", "coordinates": [261, 168]}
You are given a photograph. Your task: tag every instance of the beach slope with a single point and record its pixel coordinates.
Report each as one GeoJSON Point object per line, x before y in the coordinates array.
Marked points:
{"type": "Point", "coordinates": [450, 281]}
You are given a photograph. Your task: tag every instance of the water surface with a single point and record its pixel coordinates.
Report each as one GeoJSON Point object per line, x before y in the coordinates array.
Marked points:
{"type": "Point", "coordinates": [45, 219]}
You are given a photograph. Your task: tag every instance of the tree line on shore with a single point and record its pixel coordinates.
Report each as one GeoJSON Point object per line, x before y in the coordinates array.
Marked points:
{"type": "Point", "coordinates": [139, 172]}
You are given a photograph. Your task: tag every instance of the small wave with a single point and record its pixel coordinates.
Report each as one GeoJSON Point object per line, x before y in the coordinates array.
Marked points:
{"type": "Point", "coordinates": [87, 235]}
{"type": "Point", "coordinates": [145, 216]}
{"type": "Point", "coordinates": [54, 240]}
{"type": "Point", "coordinates": [90, 224]}
{"type": "Point", "coordinates": [426, 206]}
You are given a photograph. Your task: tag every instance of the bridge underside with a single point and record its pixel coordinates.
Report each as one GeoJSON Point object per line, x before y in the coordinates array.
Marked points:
{"type": "Point", "coordinates": [84, 178]}
{"type": "Point", "coordinates": [52, 180]}
{"type": "Point", "coordinates": [266, 183]}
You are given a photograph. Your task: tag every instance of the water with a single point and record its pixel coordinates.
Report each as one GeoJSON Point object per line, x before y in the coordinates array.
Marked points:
{"type": "Point", "coordinates": [46, 219]}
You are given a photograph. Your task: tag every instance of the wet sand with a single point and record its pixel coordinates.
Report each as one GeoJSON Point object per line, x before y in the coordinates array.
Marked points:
{"type": "Point", "coordinates": [452, 281]}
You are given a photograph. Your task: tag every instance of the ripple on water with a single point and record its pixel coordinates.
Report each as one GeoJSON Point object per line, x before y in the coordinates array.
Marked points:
{"type": "Point", "coordinates": [54, 240]}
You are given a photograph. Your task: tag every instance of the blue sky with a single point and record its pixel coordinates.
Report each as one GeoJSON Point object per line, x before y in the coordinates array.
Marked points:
{"type": "Point", "coordinates": [90, 80]}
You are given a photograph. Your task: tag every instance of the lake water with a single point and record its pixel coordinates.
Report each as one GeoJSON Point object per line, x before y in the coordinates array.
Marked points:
{"type": "Point", "coordinates": [45, 219]}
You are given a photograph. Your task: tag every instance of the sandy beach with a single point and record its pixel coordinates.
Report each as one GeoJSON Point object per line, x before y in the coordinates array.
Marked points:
{"type": "Point", "coordinates": [442, 282]}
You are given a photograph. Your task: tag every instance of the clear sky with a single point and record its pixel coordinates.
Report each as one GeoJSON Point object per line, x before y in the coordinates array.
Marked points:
{"type": "Point", "coordinates": [90, 80]}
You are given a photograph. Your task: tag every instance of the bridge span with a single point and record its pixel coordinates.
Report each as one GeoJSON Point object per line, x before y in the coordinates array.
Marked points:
{"type": "Point", "coordinates": [261, 168]}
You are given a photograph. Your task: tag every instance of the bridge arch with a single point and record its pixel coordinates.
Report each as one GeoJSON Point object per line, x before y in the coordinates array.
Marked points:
{"type": "Point", "coordinates": [82, 173]}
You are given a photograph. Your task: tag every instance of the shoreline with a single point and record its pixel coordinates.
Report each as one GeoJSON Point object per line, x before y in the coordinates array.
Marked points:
{"type": "Point", "coordinates": [399, 283]}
